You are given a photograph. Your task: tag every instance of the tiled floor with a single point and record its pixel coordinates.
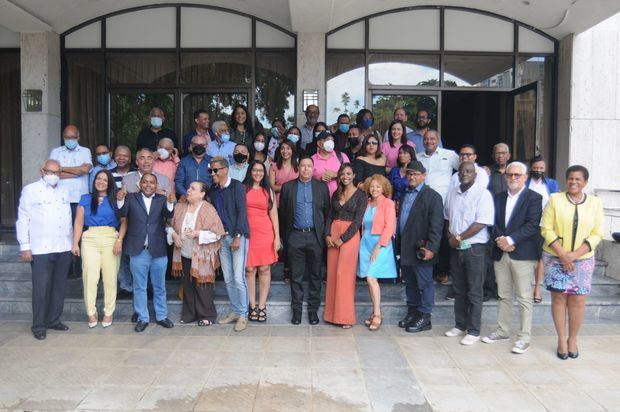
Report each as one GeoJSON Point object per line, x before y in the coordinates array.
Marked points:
{"type": "Point", "coordinates": [304, 368]}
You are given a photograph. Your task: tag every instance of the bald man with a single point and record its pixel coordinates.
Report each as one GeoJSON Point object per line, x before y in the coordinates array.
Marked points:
{"type": "Point", "coordinates": [150, 136]}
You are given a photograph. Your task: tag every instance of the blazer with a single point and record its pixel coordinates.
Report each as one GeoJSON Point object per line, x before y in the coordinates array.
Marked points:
{"type": "Point", "coordinates": [425, 222]}
{"type": "Point", "coordinates": [523, 227]}
{"type": "Point", "coordinates": [140, 224]}
{"type": "Point", "coordinates": [320, 208]}
{"type": "Point", "coordinates": [132, 180]}
{"type": "Point", "coordinates": [384, 222]}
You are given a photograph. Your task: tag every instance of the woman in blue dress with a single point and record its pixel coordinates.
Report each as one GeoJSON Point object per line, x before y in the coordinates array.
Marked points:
{"type": "Point", "coordinates": [376, 259]}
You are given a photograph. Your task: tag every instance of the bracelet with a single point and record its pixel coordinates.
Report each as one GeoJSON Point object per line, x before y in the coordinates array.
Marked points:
{"type": "Point", "coordinates": [119, 239]}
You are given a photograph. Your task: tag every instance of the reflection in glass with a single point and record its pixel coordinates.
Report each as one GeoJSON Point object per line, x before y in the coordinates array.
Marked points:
{"type": "Point", "coordinates": [216, 69]}
{"type": "Point", "coordinates": [345, 84]}
{"type": "Point", "coordinates": [524, 135]}
{"type": "Point", "coordinates": [383, 106]}
{"type": "Point", "coordinates": [404, 69]}
{"type": "Point", "coordinates": [275, 87]}
{"type": "Point", "coordinates": [478, 71]}
{"type": "Point", "coordinates": [141, 68]}
{"type": "Point", "coordinates": [129, 114]}
{"type": "Point", "coordinates": [219, 105]}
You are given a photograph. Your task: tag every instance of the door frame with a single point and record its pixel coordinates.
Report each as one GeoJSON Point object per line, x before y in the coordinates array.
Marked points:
{"type": "Point", "coordinates": [203, 90]}
{"type": "Point", "coordinates": [534, 86]}
{"type": "Point", "coordinates": [402, 90]}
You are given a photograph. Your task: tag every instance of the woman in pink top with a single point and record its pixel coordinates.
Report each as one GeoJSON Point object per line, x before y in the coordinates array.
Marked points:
{"type": "Point", "coordinates": [167, 161]}
{"type": "Point", "coordinates": [284, 168]}
{"type": "Point", "coordinates": [396, 138]}
{"type": "Point", "coordinates": [327, 161]}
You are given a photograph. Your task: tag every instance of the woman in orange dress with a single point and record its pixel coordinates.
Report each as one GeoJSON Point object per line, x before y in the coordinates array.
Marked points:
{"type": "Point", "coordinates": [264, 238]}
{"type": "Point", "coordinates": [343, 242]}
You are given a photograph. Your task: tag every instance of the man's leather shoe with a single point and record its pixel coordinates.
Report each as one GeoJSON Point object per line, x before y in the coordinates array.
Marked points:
{"type": "Point", "coordinates": [134, 318]}
{"type": "Point", "coordinates": [412, 316]}
{"type": "Point", "coordinates": [59, 326]}
{"type": "Point", "coordinates": [166, 323]}
{"type": "Point", "coordinates": [421, 324]}
{"type": "Point", "coordinates": [39, 335]}
{"type": "Point", "coordinates": [296, 320]}
{"type": "Point", "coordinates": [140, 326]}
{"type": "Point", "coordinates": [313, 318]}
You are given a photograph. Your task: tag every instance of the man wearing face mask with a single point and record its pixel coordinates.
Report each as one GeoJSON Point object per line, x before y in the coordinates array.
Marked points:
{"type": "Point", "coordinates": [354, 141]}
{"type": "Point", "coordinates": [340, 130]}
{"type": "Point", "coordinates": [44, 232]}
{"type": "Point", "coordinates": [75, 164]}
{"type": "Point", "coordinates": [104, 162]}
{"type": "Point", "coordinates": [167, 160]}
{"type": "Point", "coordinates": [150, 136]}
{"type": "Point", "coordinates": [239, 168]}
{"type": "Point", "coordinates": [201, 121]}
{"type": "Point", "coordinates": [221, 146]}
{"type": "Point", "coordinates": [307, 130]}
{"type": "Point", "coordinates": [193, 167]}
{"type": "Point", "coordinates": [327, 161]}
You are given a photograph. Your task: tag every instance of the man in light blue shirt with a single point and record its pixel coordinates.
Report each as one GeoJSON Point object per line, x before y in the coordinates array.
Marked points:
{"type": "Point", "coordinates": [104, 162]}
{"type": "Point", "coordinates": [221, 146]}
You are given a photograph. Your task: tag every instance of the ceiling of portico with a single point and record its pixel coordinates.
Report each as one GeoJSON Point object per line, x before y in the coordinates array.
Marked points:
{"type": "Point", "coordinates": [555, 17]}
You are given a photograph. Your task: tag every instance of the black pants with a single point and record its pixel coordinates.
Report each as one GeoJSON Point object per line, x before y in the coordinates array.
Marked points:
{"type": "Point", "coordinates": [490, 285]}
{"type": "Point", "coordinates": [75, 268]}
{"type": "Point", "coordinates": [197, 299]}
{"type": "Point", "coordinates": [419, 287]}
{"type": "Point", "coordinates": [443, 260]}
{"type": "Point", "coordinates": [305, 255]}
{"type": "Point", "coordinates": [49, 280]}
{"type": "Point", "coordinates": [468, 269]}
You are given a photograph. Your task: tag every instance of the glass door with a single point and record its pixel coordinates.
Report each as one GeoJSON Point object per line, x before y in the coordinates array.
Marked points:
{"type": "Point", "coordinates": [524, 105]}
{"type": "Point", "coordinates": [385, 102]}
{"type": "Point", "coordinates": [220, 105]}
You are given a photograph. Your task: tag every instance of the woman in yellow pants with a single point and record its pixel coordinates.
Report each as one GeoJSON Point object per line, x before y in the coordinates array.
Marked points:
{"type": "Point", "coordinates": [101, 229]}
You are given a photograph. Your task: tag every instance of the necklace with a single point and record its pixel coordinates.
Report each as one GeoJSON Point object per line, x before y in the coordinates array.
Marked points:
{"type": "Point", "coordinates": [580, 201]}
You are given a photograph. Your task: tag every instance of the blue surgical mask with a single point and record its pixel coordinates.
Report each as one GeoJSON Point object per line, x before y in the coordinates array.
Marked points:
{"type": "Point", "coordinates": [293, 138]}
{"type": "Point", "coordinates": [225, 137]}
{"type": "Point", "coordinates": [367, 123]}
{"type": "Point", "coordinates": [156, 121]}
{"type": "Point", "coordinates": [71, 143]}
{"type": "Point", "coordinates": [104, 159]}
{"type": "Point", "coordinates": [343, 127]}
{"type": "Point", "coordinates": [275, 133]}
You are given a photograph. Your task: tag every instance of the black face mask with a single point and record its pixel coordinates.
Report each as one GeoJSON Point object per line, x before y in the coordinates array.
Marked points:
{"type": "Point", "coordinates": [240, 157]}
{"type": "Point", "coordinates": [354, 141]}
{"type": "Point", "coordinates": [537, 175]}
{"type": "Point", "coordinates": [199, 150]}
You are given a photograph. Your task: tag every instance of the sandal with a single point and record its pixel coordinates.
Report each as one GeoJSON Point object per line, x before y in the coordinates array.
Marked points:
{"type": "Point", "coordinates": [262, 315]}
{"type": "Point", "coordinates": [253, 314]}
{"type": "Point", "coordinates": [368, 321]}
{"type": "Point", "coordinates": [375, 324]}
{"type": "Point", "coordinates": [346, 326]}
{"type": "Point", "coordinates": [537, 300]}
{"type": "Point", "coordinates": [204, 322]}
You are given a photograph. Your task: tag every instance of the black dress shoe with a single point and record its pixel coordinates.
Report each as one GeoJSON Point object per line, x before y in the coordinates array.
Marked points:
{"type": "Point", "coordinates": [313, 318]}
{"type": "Point", "coordinates": [134, 318]}
{"type": "Point", "coordinates": [59, 326]}
{"type": "Point", "coordinates": [562, 356]}
{"type": "Point", "coordinates": [421, 324]}
{"type": "Point", "coordinates": [40, 335]}
{"type": "Point", "coordinates": [166, 323]}
{"type": "Point", "coordinates": [140, 326]}
{"type": "Point", "coordinates": [296, 320]}
{"type": "Point", "coordinates": [412, 316]}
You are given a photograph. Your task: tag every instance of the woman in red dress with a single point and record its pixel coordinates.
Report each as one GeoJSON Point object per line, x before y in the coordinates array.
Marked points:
{"type": "Point", "coordinates": [264, 238]}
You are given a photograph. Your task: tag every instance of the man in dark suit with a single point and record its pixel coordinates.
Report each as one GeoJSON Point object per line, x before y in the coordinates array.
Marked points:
{"type": "Point", "coordinates": [304, 204]}
{"type": "Point", "coordinates": [517, 238]}
{"type": "Point", "coordinates": [420, 224]}
{"type": "Point", "coordinates": [145, 243]}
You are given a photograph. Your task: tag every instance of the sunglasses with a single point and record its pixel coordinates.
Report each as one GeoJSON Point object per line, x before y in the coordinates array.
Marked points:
{"type": "Point", "coordinates": [215, 170]}
{"type": "Point", "coordinates": [372, 142]}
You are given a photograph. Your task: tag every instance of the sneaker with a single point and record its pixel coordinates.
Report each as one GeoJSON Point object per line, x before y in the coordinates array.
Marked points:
{"type": "Point", "coordinates": [230, 318]}
{"type": "Point", "coordinates": [454, 332]}
{"type": "Point", "coordinates": [493, 337]}
{"type": "Point", "coordinates": [241, 324]}
{"type": "Point", "coordinates": [469, 340]}
{"type": "Point", "coordinates": [520, 347]}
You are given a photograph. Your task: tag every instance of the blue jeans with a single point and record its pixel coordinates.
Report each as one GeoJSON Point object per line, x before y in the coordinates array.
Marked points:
{"type": "Point", "coordinates": [233, 268]}
{"type": "Point", "coordinates": [419, 287]}
{"type": "Point", "coordinates": [142, 266]}
{"type": "Point", "coordinates": [124, 274]}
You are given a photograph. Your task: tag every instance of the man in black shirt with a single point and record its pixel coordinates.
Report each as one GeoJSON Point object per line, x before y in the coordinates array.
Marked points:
{"type": "Point", "coordinates": [149, 136]}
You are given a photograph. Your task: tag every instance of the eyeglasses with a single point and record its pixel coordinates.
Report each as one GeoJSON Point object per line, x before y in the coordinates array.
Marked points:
{"type": "Point", "coordinates": [215, 170]}
{"type": "Point", "coordinates": [372, 142]}
{"type": "Point", "coordinates": [70, 137]}
{"type": "Point", "coordinates": [513, 175]}
{"type": "Point", "coordinates": [51, 172]}
{"type": "Point", "coordinates": [466, 154]}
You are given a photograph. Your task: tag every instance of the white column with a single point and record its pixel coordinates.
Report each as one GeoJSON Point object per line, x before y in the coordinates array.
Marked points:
{"type": "Point", "coordinates": [40, 70]}
{"type": "Point", "coordinates": [310, 71]}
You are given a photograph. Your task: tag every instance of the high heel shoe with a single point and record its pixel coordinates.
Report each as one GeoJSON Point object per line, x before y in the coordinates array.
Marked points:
{"type": "Point", "coordinates": [573, 355]}
{"type": "Point", "coordinates": [562, 356]}
{"type": "Point", "coordinates": [92, 323]}
{"type": "Point", "coordinates": [104, 323]}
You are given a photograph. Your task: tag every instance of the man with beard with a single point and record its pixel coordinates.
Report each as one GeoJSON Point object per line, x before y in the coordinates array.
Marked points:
{"type": "Point", "coordinates": [422, 122]}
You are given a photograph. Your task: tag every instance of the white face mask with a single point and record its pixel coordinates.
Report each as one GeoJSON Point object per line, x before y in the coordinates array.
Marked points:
{"type": "Point", "coordinates": [51, 180]}
{"type": "Point", "coordinates": [259, 146]}
{"type": "Point", "coordinates": [163, 153]}
{"type": "Point", "coordinates": [329, 145]}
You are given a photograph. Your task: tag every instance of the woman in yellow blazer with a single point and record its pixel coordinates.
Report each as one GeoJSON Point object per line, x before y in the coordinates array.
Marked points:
{"type": "Point", "coordinates": [572, 226]}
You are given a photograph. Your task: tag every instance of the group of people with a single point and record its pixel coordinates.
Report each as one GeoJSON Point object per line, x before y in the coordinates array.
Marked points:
{"type": "Point", "coordinates": [342, 199]}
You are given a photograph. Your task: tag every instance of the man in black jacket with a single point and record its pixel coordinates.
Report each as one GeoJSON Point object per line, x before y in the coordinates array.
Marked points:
{"type": "Point", "coordinates": [304, 204]}
{"type": "Point", "coordinates": [145, 243]}
{"type": "Point", "coordinates": [418, 235]}
{"type": "Point", "coordinates": [517, 238]}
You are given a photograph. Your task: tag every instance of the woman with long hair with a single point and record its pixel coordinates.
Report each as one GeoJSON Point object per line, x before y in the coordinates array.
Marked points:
{"type": "Point", "coordinates": [264, 241]}
{"type": "Point", "coordinates": [370, 160]}
{"type": "Point", "coordinates": [376, 259]}
{"type": "Point", "coordinates": [342, 237]}
{"type": "Point", "coordinates": [102, 243]}
{"type": "Point", "coordinates": [241, 129]}
{"type": "Point", "coordinates": [284, 168]}
{"type": "Point", "coordinates": [260, 152]}
{"type": "Point", "coordinates": [195, 231]}
{"type": "Point", "coordinates": [397, 137]}
{"type": "Point", "coordinates": [398, 174]}
{"type": "Point", "coordinates": [278, 133]}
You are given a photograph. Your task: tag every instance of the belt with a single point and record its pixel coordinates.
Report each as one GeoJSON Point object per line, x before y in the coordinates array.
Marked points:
{"type": "Point", "coordinates": [304, 230]}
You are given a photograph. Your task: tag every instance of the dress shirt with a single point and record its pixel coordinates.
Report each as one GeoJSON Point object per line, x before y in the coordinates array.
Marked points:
{"type": "Point", "coordinates": [462, 209]}
{"type": "Point", "coordinates": [307, 135]}
{"type": "Point", "coordinates": [238, 173]}
{"type": "Point", "coordinates": [511, 201]}
{"type": "Point", "coordinates": [417, 139]}
{"type": "Point", "coordinates": [224, 149]}
{"type": "Point", "coordinates": [167, 168]}
{"type": "Point", "coordinates": [95, 170]}
{"type": "Point", "coordinates": [147, 204]}
{"type": "Point", "coordinates": [76, 186]}
{"type": "Point", "coordinates": [303, 206]}
{"type": "Point", "coordinates": [409, 197]}
{"type": "Point", "coordinates": [439, 168]}
{"type": "Point", "coordinates": [332, 163]}
{"type": "Point", "coordinates": [482, 177]}
{"type": "Point", "coordinates": [44, 219]}
{"type": "Point", "coordinates": [540, 187]}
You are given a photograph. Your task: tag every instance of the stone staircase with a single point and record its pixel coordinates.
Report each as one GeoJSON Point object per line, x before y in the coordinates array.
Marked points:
{"type": "Point", "coordinates": [603, 305]}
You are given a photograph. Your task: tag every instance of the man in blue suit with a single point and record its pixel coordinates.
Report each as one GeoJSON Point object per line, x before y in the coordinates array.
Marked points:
{"type": "Point", "coordinates": [145, 243]}
{"type": "Point", "coordinates": [517, 239]}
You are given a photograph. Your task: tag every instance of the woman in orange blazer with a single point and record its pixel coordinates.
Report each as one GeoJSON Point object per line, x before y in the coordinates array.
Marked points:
{"type": "Point", "coordinates": [376, 251]}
